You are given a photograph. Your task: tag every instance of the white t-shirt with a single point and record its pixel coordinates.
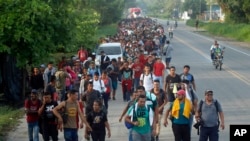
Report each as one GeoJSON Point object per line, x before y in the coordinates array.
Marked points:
{"type": "Point", "coordinates": [147, 81]}
{"type": "Point", "coordinates": [97, 85]}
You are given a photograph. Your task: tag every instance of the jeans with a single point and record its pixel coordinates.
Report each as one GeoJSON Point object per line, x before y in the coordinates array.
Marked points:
{"type": "Point", "coordinates": [106, 99]}
{"type": "Point", "coordinates": [136, 83]}
{"type": "Point", "coordinates": [33, 131]}
{"type": "Point", "coordinates": [130, 138]}
{"type": "Point", "coordinates": [210, 133]}
{"type": "Point", "coordinates": [62, 94]}
{"type": "Point", "coordinates": [141, 137]}
{"type": "Point", "coordinates": [70, 134]}
{"type": "Point", "coordinates": [191, 118]}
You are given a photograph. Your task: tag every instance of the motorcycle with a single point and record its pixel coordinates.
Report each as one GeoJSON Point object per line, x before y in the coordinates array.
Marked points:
{"type": "Point", "coordinates": [218, 60]}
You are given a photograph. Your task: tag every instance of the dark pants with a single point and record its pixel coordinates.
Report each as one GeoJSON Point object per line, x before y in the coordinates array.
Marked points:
{"type": "Point", "coordinates": [126, 88]}
{"type": "Point", "coordinates": [210, 133]}
{"type": "Point", "coordinates": [106, 99]}
{"type": "Point", "coordinates": [181, 132]}
{"type": "Point", "coordinates": [50, 129]}
{"type": "Point", "coordinates": [98, 135]}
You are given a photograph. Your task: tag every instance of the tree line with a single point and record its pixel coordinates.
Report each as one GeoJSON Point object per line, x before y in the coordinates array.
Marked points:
{"type": "Point", "coordinates": [31, 30]}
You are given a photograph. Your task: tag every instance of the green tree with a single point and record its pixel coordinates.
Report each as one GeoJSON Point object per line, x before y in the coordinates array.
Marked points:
{"type": "Point", "coordinates": [109, 10]}
{"type": "Point", "coordinates": [236, 11]}
{"type": "Point", "coordinates": [197, 7]}
{"type": "Point", "coordinates": [31, 30]}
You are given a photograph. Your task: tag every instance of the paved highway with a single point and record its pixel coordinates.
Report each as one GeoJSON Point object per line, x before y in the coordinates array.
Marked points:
{"type": "Point", "coordinates": [231, 85]}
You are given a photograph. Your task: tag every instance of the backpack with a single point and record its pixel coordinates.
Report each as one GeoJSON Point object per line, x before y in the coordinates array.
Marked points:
{"type": "Point", "coordinates": [59, 82]}
{"type": "Point", "coordinates": [151, 76]}
{"type": "Point", "coordinates": [216, 106]}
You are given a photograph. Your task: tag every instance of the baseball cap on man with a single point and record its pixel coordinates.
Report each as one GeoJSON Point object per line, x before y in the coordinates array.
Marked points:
{"type": "Point", "coordinates": [208, 91]}
{"type": "Point", "coordinates": [181, 92]}
{"type": "Point", "coordinates": [34, 91]}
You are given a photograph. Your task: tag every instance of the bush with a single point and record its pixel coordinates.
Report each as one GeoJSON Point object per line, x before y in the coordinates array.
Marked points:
{"type": "Point", "coordinates": [236, 31]}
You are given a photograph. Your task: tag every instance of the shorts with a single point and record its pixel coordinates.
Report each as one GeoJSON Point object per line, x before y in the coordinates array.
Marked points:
{"type": "Point", "coordinates": [114, 84]}
{"type": "Point", "coordinates": [168, 60]}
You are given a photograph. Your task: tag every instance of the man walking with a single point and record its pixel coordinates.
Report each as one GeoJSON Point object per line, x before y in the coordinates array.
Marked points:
{"type": "Point", "coordinates": [31, 109]}
{"type": "Point", "coordinates": [49, 124]}
{"type": "Point", "coordinates": [208, 114]}
{"type": "Point", "coordinates": [180, 113]}
{"type": "Point", "coordinates": [72, 109]}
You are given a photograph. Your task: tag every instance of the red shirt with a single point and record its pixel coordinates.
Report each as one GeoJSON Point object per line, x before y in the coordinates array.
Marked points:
{"type": "Point", "coordinates": [138, 69]}
{"type": "Point", "coordinates": [82, 54]}
{"type": "Point", "coordinates": [142, 59]}
{"type": "Point", "coordinates": [32, 106]}
{"type": "Point", "coordinates": [158, 68]}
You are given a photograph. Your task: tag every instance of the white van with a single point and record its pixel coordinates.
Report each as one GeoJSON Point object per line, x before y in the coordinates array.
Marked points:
{"type": "Point", "coordinates": [112, 50]}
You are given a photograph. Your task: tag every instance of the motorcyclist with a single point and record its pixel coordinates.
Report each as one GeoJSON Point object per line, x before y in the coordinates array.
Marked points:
{"type": "Point", "coordinates": [215, 50]}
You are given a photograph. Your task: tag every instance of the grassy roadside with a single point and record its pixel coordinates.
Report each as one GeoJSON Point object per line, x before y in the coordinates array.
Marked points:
{"type": "Point", "coordinates": [9, 119]}
{"type": "Point", "coordinates": [238, 32]}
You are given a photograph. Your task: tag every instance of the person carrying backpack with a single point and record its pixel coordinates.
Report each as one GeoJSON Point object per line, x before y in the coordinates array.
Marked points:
{"type": "Point", "coordinates": [140, 115]}
{"type": "Point", "coordinates": [209, 116]}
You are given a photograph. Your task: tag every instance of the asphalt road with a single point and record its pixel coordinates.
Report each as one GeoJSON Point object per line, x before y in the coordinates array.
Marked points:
{"type": "Point", "coordinates": [231, 85]}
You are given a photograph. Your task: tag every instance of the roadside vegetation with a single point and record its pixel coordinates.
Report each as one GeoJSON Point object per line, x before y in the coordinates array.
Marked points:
{"type": "Point", "coordinates": [9, 119]}
{"type": "Point", "coordinates": [238, 32]}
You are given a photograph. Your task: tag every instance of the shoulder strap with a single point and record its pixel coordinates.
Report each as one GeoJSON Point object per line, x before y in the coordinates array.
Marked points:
{"type": "Point", "coordinates": [216, 106]}
{"type": "Point", "coordinates": [200, 106]}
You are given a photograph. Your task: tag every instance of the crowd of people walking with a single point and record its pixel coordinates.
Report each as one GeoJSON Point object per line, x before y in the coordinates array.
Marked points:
{"type": "Point", "coordinates": [79, 91]}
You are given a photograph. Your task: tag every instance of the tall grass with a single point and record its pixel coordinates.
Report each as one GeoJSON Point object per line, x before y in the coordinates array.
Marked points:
{"type": "Point", "coordinates": [240, 32]}
{"type": "Point", "coordinates": [8, 119]}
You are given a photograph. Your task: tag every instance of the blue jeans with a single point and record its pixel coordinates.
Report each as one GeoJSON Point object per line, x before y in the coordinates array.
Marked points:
{"type": "Point", "coordinates": [70, 134]}
{"type": "Point", "coordinates": [191, 118]}
{"type": "Point", "coordinates": [130, 135]}
{"type": "Point", "coordinates": [106, 99]}
{"type": "Point", "coordinates": [210, 133]}
{"type": "Point", "coordinates": [136, 83]}
{"type": "Point", "coordinates": [62, 94]}
{"type": "Point", "coordinates": [141, 137]}
{"type": "Point", "coordinates": [33, 129]}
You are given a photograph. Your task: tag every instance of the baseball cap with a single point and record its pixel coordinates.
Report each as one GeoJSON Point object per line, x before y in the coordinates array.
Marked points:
{"type": "Point", "coordinates": [208, 91]}
{"type": "Point", "coordinates": [34, 91]}
{"type": "Point", "coordinates": [181, 92]}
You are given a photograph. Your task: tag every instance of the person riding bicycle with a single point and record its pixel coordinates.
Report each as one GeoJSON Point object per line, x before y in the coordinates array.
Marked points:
{"type": "Point", "coordinates": [215, 50]}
